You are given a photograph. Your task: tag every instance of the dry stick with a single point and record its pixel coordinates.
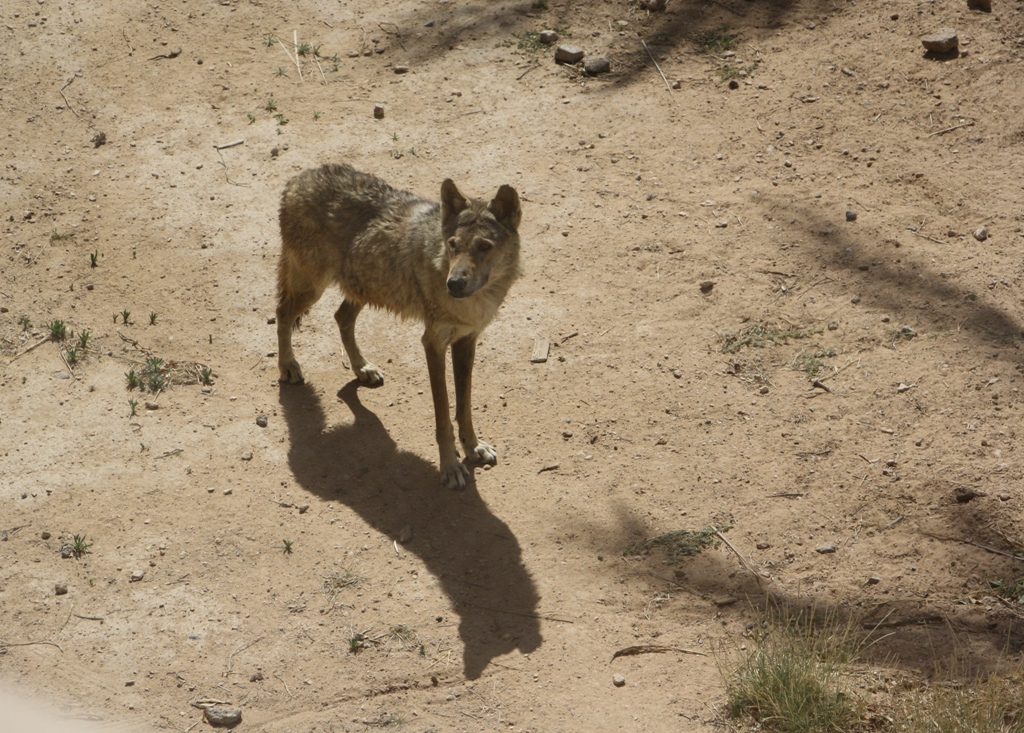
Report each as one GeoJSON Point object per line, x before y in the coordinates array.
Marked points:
{"type": "Point", "coordinates": [315, 58]}
{"type": "Point", "coordinates": [667, 85]}
{"type": "Point", "coordinates": [743, 561]}
{"type": "Point", "coordinates": [652, 649]}
{"type": "Point", "coordinates": [933, 239]}
{"type": "Point", "coordinates": [131, 50]}
{"type": "Point", "coordinates": [36, 345]}
{"type": "Point", "coordinates": [242, 648]}
{"type": "Point", "coordinates": [234, 144]}
{"type": "Point", "coordinates": [293, 60]}
{"type": "Point", "coordinates": [535, 66]}
{"type": "Point", "coordinates": [31, 643]}
{"type": "Point", "coordinates": [66, 99]}
{"type": "Point", "coordinates": [226, 176]}
{"type": "Point", "coordinates": [986, 548]}
{"type": "Point", "coordinates": [64, 359]}
{"type": "Point", "coordinates": [285, 686]}
{"type": "Point", "coordinates": [950, 129]}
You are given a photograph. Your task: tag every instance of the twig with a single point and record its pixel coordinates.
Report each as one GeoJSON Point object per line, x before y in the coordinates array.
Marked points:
{"type": "Point", "coordinates": [90, 618]}
{"type": "Point", "coordinates": [228, 177]}
{"type": "Point", "coordinates": [285, 686]}
{"type": "Point", "coordinates": [397, 34]}
{"type": "Point", "coordinates": [234, 144]}
{"type": "Point", "coordinates": [36, 345]}
{"type": "Point", "coordinates": [829, 376]}
{"type": "Point", "coordinates": [894, 522]}
{"type": "Point", "coordinates": [66, 99]}
{"type": "Point", "coordinates": [932, 239]}
{"type": "Point", "coordinates": [950, 129]}
{"type": "Point", "coordinates": [535, 66]}
{"type": "Point", "coordinates": [648, 649]}
{"type": "Point", "coordinates": [920, 621]}
{"type": "Point", "coordinates": [293, 60]}
{"type": "Point", "coordinates": [64, 359]}
{"type": "Point", "coordinates": [743, 561]}
{"type": "Point", "coordinates": [887, 431]}
{"type": "Point", "coordinates": [231, 657]}
{"type": "Point", "coordinates": [131, 50]}
{"type": "Point", "coordinates": [317, 59]}
{"type": "Point", "coordinates": [787, 495]}
{"type": "Point", "coordinates": [986, 548]}
{"type": "Point", "coordinates": [571, 335]}
{"type": "Point", "coordinates": [31, 643]}
{"type": "Point", "coordinates": [663, 78]}
{"type": "Point", "coordinates": [169, 453]}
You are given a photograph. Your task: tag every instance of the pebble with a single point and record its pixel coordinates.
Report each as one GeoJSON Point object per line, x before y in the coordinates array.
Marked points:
{"type": "Point", "coordinates": [247, 456]}
{"type": "Point", "coordinates": [833, 326]}
{"type": "Point", "coordinates": [874, 580]}
{"type": "Point", "coordinates": [548, 37]}
{"type": "Point", "coordinates": [272, 320]}
{"type": "Point", "coordinates": [595, 65]}
{"type": "Point", "coordinates": [62, 375]}
{"type": "Point", "coordinates": [60, 588]}
{"type": "Point", "coordinates": [907, 332]}
{"type": "Point", "coordinates": [677, 374]}
{"type": "Point", "coordinates": [826, 549]}
{"type": "Point", "coordinates": [401, 69]}
{"type": "Point", "coordinates": [733, 84]}
{"type": "Point", "coordinates": [45, 535]}
{"type": "Point", "coordinates": [378, 111]}
{"type": "Point", "coordinates": [707, 286]}
{"type": "Point", "coordinates": [568, 54]}
{"type": "Point", "coordinates": [275, 151]}
{"type": "Point", "coordinates": [851, 215]}
{"type": "Point", "coordinates": [943, 41]}
{"type": "Point", "coordinates": [303, 508]}
{"type": "Point", "coordinates": [223, 715]}
{"type": "Point", "coordinates": [1004, 497]}
{"type": "Point", "coordinates": [227, 492]}
{"type": "Point", "coordinates": [764, 389]}
{"type": "Point", "coordinates": [763, 545]}
{"type": "Point", "coordinates": [152, 405]}
{"type": "Point", "coordinates": [261, 420]}
{"type": "Point", "coordinates": [855, 299]}
{"type": "Point", "coordinates": [136, 576]}
{"type": "Point", "coordinates": [405, 535]}
{"type": "Point", "coordinates": [985, 5]}
{"type": "Point", "coordinates": [618, 680]}
{"type": "Point", "coordinates": [981, 234]}
{"type": "Point", "coordinates": [256, 677]}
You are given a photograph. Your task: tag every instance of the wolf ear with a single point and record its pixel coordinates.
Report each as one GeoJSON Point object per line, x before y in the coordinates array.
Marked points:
{"type": "Point", "coordinates": [505, 207]}
{"type": "Point", "coordinates": [452, 202]}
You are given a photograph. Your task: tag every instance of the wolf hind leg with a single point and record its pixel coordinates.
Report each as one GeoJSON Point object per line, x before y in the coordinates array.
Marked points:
{"type": "Point", "coordinates": [366, 372]}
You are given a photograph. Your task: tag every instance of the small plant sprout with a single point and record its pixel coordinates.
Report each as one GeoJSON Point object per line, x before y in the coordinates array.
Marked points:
{"type": "Point", "coordinates": [115, 317]}
{"type": "Point", "coordinates": [152, 319]}
{"type": "Point", "coordinates": [153, 373]}
{"type": "Point", "coordinates": [58, 330]}
{"type": "Point", "coordinates": [270, 106]}
{"type": "Point", "coordinates": [24, 322]}
{"type": "Point", "coordinates": [133, 405]}
{"type": "Point", "coordinates": [281, 119]}
{"type": "Point", "coordinates": [270, 41]}
{"type": "Point", "coordinates": [143, 447]}
{"type": "Point", "coordinates": [280, 71]}
{"type": "Point", "coordinates": [251, 116]}
{"type": "Point", "coordinates": [304, 49]}
{"type": "Point", "coordinates": [356, 643]}
{"type": "Point", "coordinates": [72, 356]}
{"type": "Point", "coordinates": [94, 259]}
{"type": "Point", "coordinates": [83, 339]}
{"type": "Point", "coordinates": [206, 375]}
{"type": "Point", "coordinates": [316, 115]}
{"type": "Point", "coordinates": [316, 51]}
{"type": "Point", "coordinates": [211, 338]}
{"type": "Point", "coordinates": [79, 546]}
{"type": "Point", "coordinates": [394, 136]}
{"type": "Point", "coordinates": [125, 315]}
{"type": "Point", "coordinates": [132, 378]}
{"type": "Point", "coordinates": [288, 546]}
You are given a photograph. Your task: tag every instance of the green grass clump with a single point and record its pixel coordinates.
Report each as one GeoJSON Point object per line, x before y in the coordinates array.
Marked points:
{"type": "Point", "coordinates": [812, 362]}
{"type": "Point", "coordinates": [760, 334]}
{"type": "Point", "coordinates": [153, 374]}
{"type": "Point", "coordinates": [714, 41]}
{"type": "Point", "coordinates": [58, 330]}
{"type": "Point", "coordinates": [678, 543]}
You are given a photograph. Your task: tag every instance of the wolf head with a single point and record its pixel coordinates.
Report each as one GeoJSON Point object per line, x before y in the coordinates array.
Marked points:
{"type": "Point", "coordinates": [481, 239]}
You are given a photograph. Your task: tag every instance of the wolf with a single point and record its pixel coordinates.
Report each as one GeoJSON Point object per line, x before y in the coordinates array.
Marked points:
{"type": "Point", "coordinates": [447, 264]}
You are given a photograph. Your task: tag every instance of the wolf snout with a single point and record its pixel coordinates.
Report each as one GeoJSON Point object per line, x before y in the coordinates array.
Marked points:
{"type": "Point", "coordinates": [457, 286]}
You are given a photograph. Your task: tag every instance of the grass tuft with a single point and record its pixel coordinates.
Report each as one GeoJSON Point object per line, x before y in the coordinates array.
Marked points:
{"type": "Point", "coordinates": [760, 334]}
{"type": "Point", "coordinates": [678, 543]}
{"type": "Point", "coordinates": [714, 41]}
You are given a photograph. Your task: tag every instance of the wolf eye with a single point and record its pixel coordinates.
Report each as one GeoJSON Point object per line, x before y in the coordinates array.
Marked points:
{"type": "Point", "coordinates": [451, 242]}
{"type": "Point", "coordinates": [484, 244]}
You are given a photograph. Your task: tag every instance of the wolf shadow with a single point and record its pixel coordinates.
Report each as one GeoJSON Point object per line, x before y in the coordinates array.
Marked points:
{"type": "Point", "coordinates": [473, 554]}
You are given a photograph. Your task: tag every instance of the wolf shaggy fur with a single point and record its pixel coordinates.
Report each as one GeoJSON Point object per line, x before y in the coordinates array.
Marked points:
{"type": "Point", "coordinates": [447, 264]}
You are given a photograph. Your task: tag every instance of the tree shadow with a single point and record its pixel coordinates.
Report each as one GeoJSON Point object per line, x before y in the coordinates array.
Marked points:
{"type": "Point", "coordinates": [473, 554]}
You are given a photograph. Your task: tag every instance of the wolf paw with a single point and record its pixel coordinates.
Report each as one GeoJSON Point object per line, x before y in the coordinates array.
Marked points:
{"type": "Point", "coordinates": [482, 453]}
{"type": "Point", "coordinates": [370, 375]}
{"type": "Point", "coordinates": [291, 373]}
{"type": "Point", "coordinates": [454, 476]}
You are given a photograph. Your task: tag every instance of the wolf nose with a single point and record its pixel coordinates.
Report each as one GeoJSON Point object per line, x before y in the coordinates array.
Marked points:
{"type": "Point", "coordinates": [457, 285]}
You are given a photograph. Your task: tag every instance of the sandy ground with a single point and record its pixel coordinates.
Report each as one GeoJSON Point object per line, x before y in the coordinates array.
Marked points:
{"type": "Point", "coordinates": [503, 604]}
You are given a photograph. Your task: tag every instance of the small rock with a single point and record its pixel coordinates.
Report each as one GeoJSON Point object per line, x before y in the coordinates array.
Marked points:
{"type": "Point", "coordinates": [855, 299]}
{"type": "Point", "coordinates": [378, 111]}
{"type": "Point", "coordinates": [763, 545]}
{"type": "Point", "coordinates": [100, 138]}
{"type": "Point", "coordinates": [618, 680]}
{"type": "Point", "coordinates": [904, 388]}
{"type": "Point", "coordinates": [1004, 497]}
{"type": "Point", "coordinates": [428, 24]}
{"type": "Point", "coordinates": [847, 71]}
{"type": "Point", "coordinates": [136, 576]}
{"type": "Point", "coordinates": [247, 456]}
{"type": "Point", "coordinates": [3, 308]}
{"type": "Point", "coordinates": [964, 495]}
{"type": "Point", "coordinates": [568, 54]}
{"type": "Point", "coordinates": [256, 677]}
{"type": "Point", "coordinates": [223, 715]}
{"type": "Point", "coordinates": [707, 286]}
{"type": "Point", "coordinates": [981, 234]}
{"type": "Point", "coordinates": [725, 601]}
{"type": "Point", "coordinates": [401, 69]}
{"type": "Point", "coordinates": [764, 389]}
{"type": "Point", "coordinates": [985, 5]}
{"type": "Point", "coordinates": [227, 492]}
{"type": "Point", "coordinates": [677, 84]}
{"type": "Point", "coordinates": [874, 580]}
{"type": "Point", "coordinates": [851, 215]}
{"type": "Point", "coordinates": [261, 420]}
{"type": "Point", "coordinates": [129, 683]}
{"type": "Point", "coordinates": [303, 508]}
{"type": "Point", "coordinates": [65, 552]}
{"type": "Point", "coordinates": [152, 405]}
{"type": "Point", "coordinates": [721, 224]}
{"type": "Point", "coordinates": [271, 320]}
{"type": "Point", "coordinates": [548, 37]}
{"type": "Point", "coordinates": [60, 589]}
{"type": "Point", "coordinates": [885, 319]}
{"type": "Point", "coordinates": [275, 151]}
{"type": "Point", "coordinates": [833, 326]}
{"type": "Point", "coordinates": [406, 534]}
{"type": "Point", "coordinates": [907, 332]}
{"type": "Point", "coordinates": [826, 549]}
{"type": "Point", "coordinates": [45, 535]}
{"type": "Point", "coordinates": [677, 374]}
{"type": "Point", "coordinates": [595, 65]}
{"type": "Point", "coordinates": [942, 42]}
{"type": "Point", "coordinates": [733, 84]}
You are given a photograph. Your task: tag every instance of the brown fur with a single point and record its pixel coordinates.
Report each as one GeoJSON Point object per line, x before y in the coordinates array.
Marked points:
{"type": "Point", "coordinates": [448, 265]}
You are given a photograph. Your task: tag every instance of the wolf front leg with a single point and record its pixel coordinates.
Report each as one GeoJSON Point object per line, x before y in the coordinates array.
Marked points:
{"type": "Point", "coordinates": [453, 473]}
{"type": "Point", "coordinates": [463, 355]}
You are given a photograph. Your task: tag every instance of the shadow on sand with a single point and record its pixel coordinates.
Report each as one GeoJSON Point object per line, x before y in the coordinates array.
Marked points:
{"type": "Point", "coordinates": [473, 554]}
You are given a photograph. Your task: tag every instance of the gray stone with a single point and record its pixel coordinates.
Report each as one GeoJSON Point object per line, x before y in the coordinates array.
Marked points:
{"type": "Point", "coordinates": [136, 576]}
{"type": "Point", "coordinates": [981, 234]}
{"type": "Point", "coordinates": [223, 715]}
{"type": "Point", "coordinates": [261, 420]}
{"type": "Point", "coordinates": [595, 65]}
{"type": "Point", "coordinates": [401, 69]}
{"type": "Point", "coordinates": [707, 286]}
{"type": "Point", "coordinates": [833, 326]}
{"type": "Point", "coordinates": [247, 456]}
{"type": "Point", "coordinates": [618, 680]}
{"type": "Point", "coordinates": [60, 589]}
{"type": "Point", "coordinates": [378, 111]}
{"type": "Point", "coordinates": [548, 37]}
{"type": "Point", "coordinates": [851, 215]}
{"type": "Point", "coordinates": [827, 548]}
{"type": "Point", "coordinates": [943, 41]}
{"type": "Point", "coordinates": [855, 299]}
{"type": "Point", "coordinates": [568, 54]}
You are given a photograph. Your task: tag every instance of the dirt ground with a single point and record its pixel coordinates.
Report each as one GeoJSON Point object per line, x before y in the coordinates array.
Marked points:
{"type": "Point", "coordinates": [499, 607]}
